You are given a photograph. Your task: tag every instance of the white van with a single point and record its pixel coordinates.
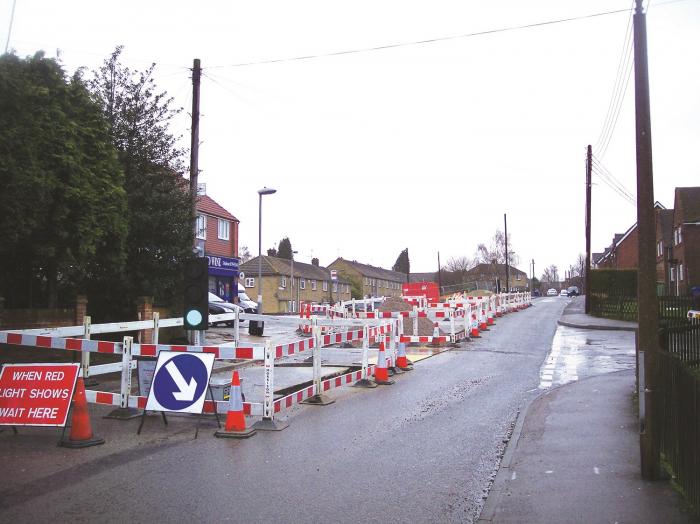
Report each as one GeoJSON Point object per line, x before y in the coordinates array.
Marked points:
{"type": "Point", "coordinates": [248, 305]}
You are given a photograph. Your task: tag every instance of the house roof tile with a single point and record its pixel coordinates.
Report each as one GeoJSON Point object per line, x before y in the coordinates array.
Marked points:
{"type": "Point", "coordinates": [208, 206]}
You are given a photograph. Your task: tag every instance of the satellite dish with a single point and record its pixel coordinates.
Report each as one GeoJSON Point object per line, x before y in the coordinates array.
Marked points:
{"type": "Point", "coordinates": [241, 275]}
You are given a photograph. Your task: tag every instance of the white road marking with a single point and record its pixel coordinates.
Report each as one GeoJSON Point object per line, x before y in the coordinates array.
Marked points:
{"type": "Point", "coordinates": [596, 471]}
{"type": "Point", "coordinates": [514, 476]}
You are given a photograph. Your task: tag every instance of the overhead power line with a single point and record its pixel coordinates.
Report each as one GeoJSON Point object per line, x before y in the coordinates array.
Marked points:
{"type": "Point", "coordinates": [426, 41]}
{"type": "Point", "coordinates": [624, 72]}
{"type": "Point", "coordinates": [613, 183]}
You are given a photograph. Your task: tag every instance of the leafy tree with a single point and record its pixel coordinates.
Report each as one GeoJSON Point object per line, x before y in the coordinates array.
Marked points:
{"type": "Point", "coordinates": [63, 201]}
{"type": "Point", "coordinates": [403, 264]}
{"type": "Point", "coordinates": [160, 212]}
{"type": "Point", "coordinates": [284, 249]}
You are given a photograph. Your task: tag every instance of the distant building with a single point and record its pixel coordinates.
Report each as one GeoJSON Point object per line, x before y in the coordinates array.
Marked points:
{"type": "Point", "coordinates": [217, 235]}
{"type": "Point", "coordinates": [312, 284]}
{"type": "Point", "coordinates": [664, 249]}
{"type": "Point", "coordinates": [623, 252]}
{"type": "Point", "coordinates": [487, 275]}
{"type": "Point", "coordinates": [374, 281]}
{"type": "Point", "coordinates": [685, 262]}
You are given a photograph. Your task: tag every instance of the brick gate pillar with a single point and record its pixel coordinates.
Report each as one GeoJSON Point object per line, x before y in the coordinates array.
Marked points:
{"type": "Point", "coordinates": [145, 312]}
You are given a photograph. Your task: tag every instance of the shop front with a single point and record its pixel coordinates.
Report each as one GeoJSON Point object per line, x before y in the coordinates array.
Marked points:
{"type": "Point", "coordinates": [223, 276]}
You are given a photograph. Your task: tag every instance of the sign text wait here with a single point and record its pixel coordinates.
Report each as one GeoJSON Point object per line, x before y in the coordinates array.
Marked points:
{"type": "Point", "coordinates": [36, 394]}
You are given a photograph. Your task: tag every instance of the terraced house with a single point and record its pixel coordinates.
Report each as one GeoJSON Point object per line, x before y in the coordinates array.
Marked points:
{"type": "Point", "coordinates": [288, 283]}
{"type": "Point", "coordinates": [371, 280]}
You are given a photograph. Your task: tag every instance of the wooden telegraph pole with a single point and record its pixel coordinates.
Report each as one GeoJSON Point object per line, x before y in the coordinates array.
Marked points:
{"type": "Point", "coordinates": [648, 338]}
{"type": "Point", "coordinates": [505, 235]}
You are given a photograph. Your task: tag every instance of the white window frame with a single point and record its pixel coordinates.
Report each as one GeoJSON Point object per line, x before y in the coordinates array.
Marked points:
{"type": "Point", "coordinates": [677, 236]}
{"type": "Point", "coordinates": [335, 287]}
{"type": "Point", "coordinates": [224, 229]}
{"type": "Point", "coordinates": [325, 285]}
{"type": "Point", "coordinates": [302, 283]}
{"type": "Point", "coordinates": [283, 281]}
{"type": "Point", "coordinates": [249, 282]}
{"type": "Point", "coordinates": [313, 285]}
{"type": "Point", "coordinates": [680, 272]}
{"type": "Point", "coordinates": [659, 248]}
{"type": "Point", "coordinates": [202, 227]}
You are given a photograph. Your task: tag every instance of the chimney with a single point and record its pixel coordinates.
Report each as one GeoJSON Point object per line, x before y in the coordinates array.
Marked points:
{"type": "Point", "coordinates": [314, 262]}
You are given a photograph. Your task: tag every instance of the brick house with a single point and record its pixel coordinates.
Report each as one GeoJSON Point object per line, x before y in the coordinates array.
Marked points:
{"type": "Point", "coordinates": [217, 236]}
{"type": "Point", "coordinates": [312, 283]}
{"type": "Point", "coordinates": [664, 249]}
{"type": "Point", "coordinates": [486, 275]}
{"type": "Point", "coordinates": [685, 262]}
{"type": "Point", "coordinates": [623, 253]}
{"type": "Point", "coordinates": [374, 281]}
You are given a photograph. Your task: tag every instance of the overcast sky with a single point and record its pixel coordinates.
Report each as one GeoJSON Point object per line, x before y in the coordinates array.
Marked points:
{"type": "Point", "coordinates": [423, 146]}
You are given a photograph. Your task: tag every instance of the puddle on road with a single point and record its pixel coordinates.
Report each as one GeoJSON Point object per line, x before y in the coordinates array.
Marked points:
{"type": "Point", "coordinates": [577, 354]}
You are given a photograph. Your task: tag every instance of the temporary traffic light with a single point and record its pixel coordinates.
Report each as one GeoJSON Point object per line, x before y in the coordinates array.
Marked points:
{"type": "Point", "coordinates": [196, 312]}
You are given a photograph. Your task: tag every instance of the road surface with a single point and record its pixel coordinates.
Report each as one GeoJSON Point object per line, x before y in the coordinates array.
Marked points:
{"type": "Point", "coordinates": [423, 450]}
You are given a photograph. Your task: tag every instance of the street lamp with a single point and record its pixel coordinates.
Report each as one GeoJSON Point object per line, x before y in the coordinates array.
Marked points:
{"type": "Point", "coordinates": [291, 288]}
{"type": "Point", "coordinates": [261, 192]}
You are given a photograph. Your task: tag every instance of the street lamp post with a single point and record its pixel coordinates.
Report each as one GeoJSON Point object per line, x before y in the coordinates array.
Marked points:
{"type": "Point", "coordinates": [291, 287]}
{"type": "Point", "coordinates": [261, 192]}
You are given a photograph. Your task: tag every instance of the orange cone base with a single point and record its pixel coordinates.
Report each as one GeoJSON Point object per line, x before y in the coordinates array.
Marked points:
{"type": "Point", "coordinates": [246, 433]}
{"type": "Point", "coordinates": [86, 443]}
{"type": "Point", "coordinates": [475, 333]}
{"type": "Point", "coordinates": [382, 382]}
{"type": "Point", "coordinates": [403, 364]}
{"type": "Point", "coordinates": [483, 327]}
{"type": "Point", "coordinates": [490, 322]}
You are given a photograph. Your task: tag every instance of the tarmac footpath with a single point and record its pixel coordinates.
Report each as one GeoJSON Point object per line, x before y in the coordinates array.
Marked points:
{"type": "Point", "coordinates": [574, 457]}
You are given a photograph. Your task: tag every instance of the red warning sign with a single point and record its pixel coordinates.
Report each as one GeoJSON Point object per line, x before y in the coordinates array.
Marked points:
{"type": "Point", "coordinates": [36, 394]}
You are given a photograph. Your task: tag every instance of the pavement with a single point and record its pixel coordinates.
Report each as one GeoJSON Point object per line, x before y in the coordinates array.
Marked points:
{"type": "Point", "coordinates": [574, 454]}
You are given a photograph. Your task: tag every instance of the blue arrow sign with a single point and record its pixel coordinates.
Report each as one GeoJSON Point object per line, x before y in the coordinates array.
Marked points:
{"type": "Point", "coordinates": [180, 382]}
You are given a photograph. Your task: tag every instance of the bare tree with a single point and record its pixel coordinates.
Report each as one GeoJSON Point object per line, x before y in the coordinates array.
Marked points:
{"type": "Point", "coordinates": [495, 255]}
{"type": "Point", "coordinates": [459, 264]}
{"type": "Point", "coordinates": [244, 254]}
{"type": "Point", "coordinates": [495, 252]}
{"type": "Point", "coordinates": [550, 275]}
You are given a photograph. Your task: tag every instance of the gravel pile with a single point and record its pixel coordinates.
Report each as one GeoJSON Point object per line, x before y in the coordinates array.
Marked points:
{"type": "Point", "coordinates": [395, 304]}
{"type": "Point", "coordinates": [425, 325]}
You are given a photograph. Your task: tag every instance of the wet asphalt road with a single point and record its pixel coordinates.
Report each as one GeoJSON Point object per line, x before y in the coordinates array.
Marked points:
{"type": "Point", "coordinates": [422, 450]}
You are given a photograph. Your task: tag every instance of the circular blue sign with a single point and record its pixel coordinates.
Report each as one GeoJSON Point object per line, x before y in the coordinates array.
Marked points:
{"type": "Point", "coordinates": [180, 382]}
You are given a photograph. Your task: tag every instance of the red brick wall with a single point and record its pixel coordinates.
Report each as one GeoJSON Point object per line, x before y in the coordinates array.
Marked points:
{"type": "Point", "coordinates": [689, 253]}
{"type": "Point", "coordinates": [627, 252]}
{"type": "Point", "coordinates": [214, 246]}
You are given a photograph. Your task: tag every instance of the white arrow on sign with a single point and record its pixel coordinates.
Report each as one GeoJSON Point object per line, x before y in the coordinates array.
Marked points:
{"type": "Point", "coordinates": [187, 391]}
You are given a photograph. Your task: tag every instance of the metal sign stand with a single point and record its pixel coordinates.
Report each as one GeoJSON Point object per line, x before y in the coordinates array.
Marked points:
{"type": "Point", "coordinates": [199, 416]}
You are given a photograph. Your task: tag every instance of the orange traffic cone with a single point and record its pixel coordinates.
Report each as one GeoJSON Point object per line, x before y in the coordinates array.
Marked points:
{"type": "Point", "coordinates": [235, 418]}
{"type": "Point", "coordinates": [401, 360]}
{"type": "Point", "coordinates": [381, 373]}
{"type": "Point", "coordinates": [80, 428]}
{"type": "Point", "coordinates": [475, 327]}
